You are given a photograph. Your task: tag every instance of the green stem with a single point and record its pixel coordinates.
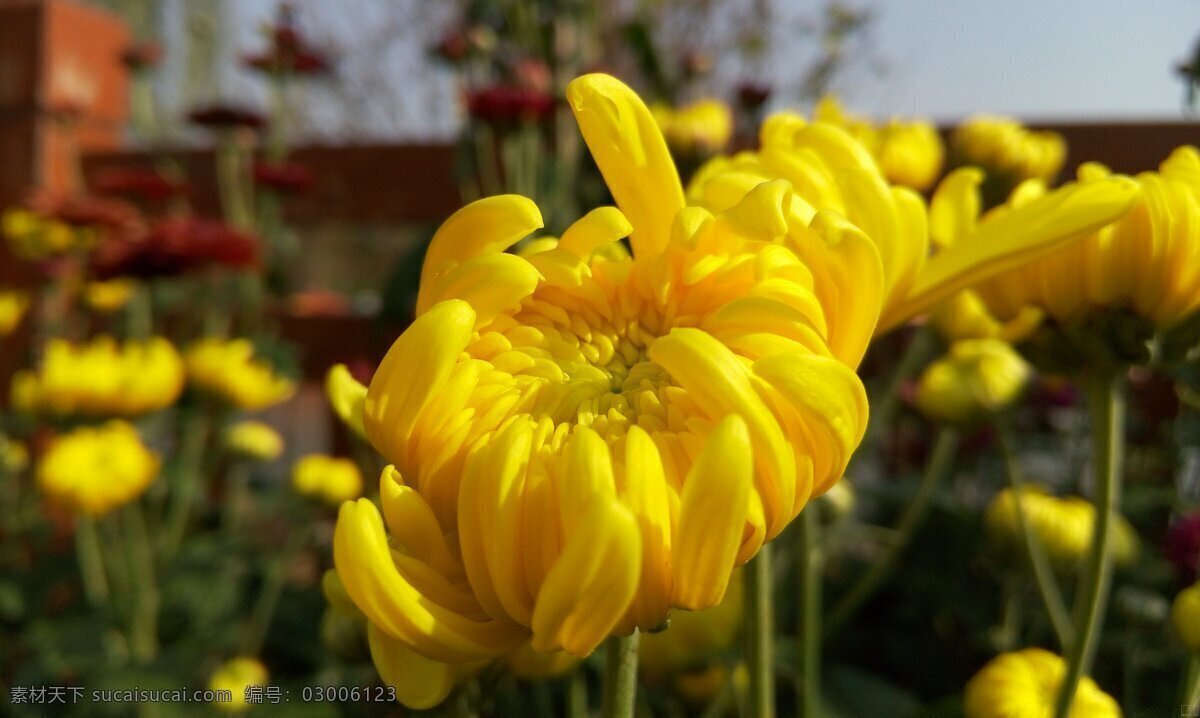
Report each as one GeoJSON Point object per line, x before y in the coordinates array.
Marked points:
{"type": "Point", "coordinates": [1190, 698]}
{"type": "Point", "coordinates": [1106, 406]}
{"type": "Point", "coordinates": [1043, 574]}
{"type": "Point", "coordinates": [884, 410]}
{"type": "Point", "coordinates": [577, 695]}
{"type": "Point", "coordinates": [940, 464]}
{"type": "Point", "coordinates": [91, 561]}
{"type": "Point", "coordinates": [233, 508]}
{"type": "Point", "coordinates": [144, 623]}
{"type": "Point", "coordinates": [187, 490]}
{"type": "Point", "coordinates": [760, 631]}
{"type": "Point", "coordinates": [272, 590]}
{"type": "Point", "coordinates": [809, 569]}
{"type": "Point", "coordinates": [620, 676]}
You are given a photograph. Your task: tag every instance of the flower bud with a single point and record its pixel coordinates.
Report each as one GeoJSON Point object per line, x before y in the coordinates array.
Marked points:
{"type": "Point", "coordinates": [1185, 617]}
{"type": "Point", "coordinates": [976, 377]}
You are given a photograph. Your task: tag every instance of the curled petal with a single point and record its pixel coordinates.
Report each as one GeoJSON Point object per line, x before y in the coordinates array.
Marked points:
{"type": "Point", "coordinates": [644, 491]}
{"type": "Point", "coordinates": [491, 224]}
{"type": "Point", "coordinates": [346, 396]}
{"type": "Point", "coordinates": [594, 230]}
{"type": "Point", "coordinates": [832, 407]}
{"type": "Point", "coordinates": [712, 516]}
{"type": "Point", "coordinates": [420, 683]}
{"type": "Point", "coordinates": [415, 369]}
{"type": "Point", "coordinates": [632, 155]}
{"type": "Point", "coordinates": [490, 283]}
{"type": "Point", "coordinates": [412, 523]}
{"type": "Point", "coordinates": [718, 380]}
{"type": "Point", "coordinates": [592, 584]}
{"type": "Point", "coordinates": [391, 602]}
{"type": "Point", "coordinates": [955, 206]}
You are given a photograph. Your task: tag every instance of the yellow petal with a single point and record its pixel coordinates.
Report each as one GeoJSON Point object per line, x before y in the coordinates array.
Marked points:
{"type": "Point", "coordinates": [848, 281]}
{"type": "Point", "coordinates": [717, 379]}
{"type": "Point", "coordinates": [371, 579]}
{"type": "Point", "coordinates": [644, 491]}
{"type": "Point", "coordinates": [412, 523]}
{"type": "Point", "coordinates": [832, 406]}
{"type": "Point", "coordinates": [414, 370]}
{"type": "Point", "coordinates": [420, 683]}
{"type": "Point", "coordinates": [955, 206]}
{"type": "Point", "coordinates": [592, 584]}
{"type": "Point", "coordinates": [499, 497]}
{"type": "Point", "coordinates": [594, 230]}
{"type": "Point", "coordinates": [630, 151]}
{"type": "Point", "coordinates": [1011, 237]}
{"type": "Point", "coordinates": [347, 397]}
{"type": "Point", "coordinates": [586, 476]}
{"type": "Point", "coordinates": [492, 224]}
{"type": "Point", "coordinates": [712, 515]}
{"type": "Point", "coordinates": [490, 283]}
{"type": "Point", "coordinates": [762, 214]}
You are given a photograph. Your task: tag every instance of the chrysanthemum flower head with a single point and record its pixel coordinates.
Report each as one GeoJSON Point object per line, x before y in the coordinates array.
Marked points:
{"type": "Point", "coordinates": [1024, 684]}
{"type": "Point", "coordinates": [1145, 265]}
{"type": "Point", "coordinates": [102, 378]}
{"type": "Point", "coordinates": [96, 469]}
{"type": "Point", "coordinates": [1008, 149]}
{"type": "Point", "coordinates": [229, 370]}
{"type": "Point", "coordinates": [235, 676]}
{"type": "Point", "coordinates": [1062, 525]}
{"type": "Point", "coordinates": [584, 436]}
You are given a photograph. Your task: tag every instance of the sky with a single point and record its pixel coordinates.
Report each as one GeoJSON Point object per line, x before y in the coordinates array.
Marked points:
{"type": "Point", "coordinates": [1038, 60]}
{"type": "Point", "coordinates": [1047, 59]}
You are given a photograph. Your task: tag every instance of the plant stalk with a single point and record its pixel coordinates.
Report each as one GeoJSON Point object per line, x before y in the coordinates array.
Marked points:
{"type": "Point", "coordinates": [620, 676]}
{"type": "Point", "coordinates": [760, 631]}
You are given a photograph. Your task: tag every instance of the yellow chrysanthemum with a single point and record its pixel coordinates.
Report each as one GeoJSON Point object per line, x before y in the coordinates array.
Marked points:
{"type": "Point", "coordinates": [694, 638]}
{"type": "Point", "coordinates": [909, 152]}
{"type": "Point", "coordinates": [704, 126]}
{"type": "Point", "coordinates": [235, 676]}
{"type": "Point", "coordinates": [1185, 617]}
{"type": "Point", "coordinates": [1062, 525]}
{"type": "Point", "coordinates": [1147, 262]}
{"type": "Point", "coordinates": [829, 170]}
{"type": "Point", "coordinates": [1024, 684]}
{"type": "Point", "coordinates": [101, 378]}
{"type": "Point", "coordinates": [228, 369]}
{"type": "Point", "coordinates": [33, 237]}
{"type": "Point", "coordinates": [13, 304]}
{"type": "Point", "coordinates": [330, 479]}
{"type": "Point", "coordinates": [96, 469]}
{"type": "Point", "coordinates": [603, 436]}
{"type": "Point", "coordinates": [975, 378]}
{"type": "Point", "coordinates": [109, 296]}
{"type": "Point", "coordinates": [1005, 147]}
{"type": "Point", "coordinates": [254, 440]}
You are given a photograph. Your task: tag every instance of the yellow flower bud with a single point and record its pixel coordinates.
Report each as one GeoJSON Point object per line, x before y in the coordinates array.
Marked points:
{"type": "Point", "coordinates": [1025, 684]}
{"type": "Point", "coordinates": [327, 478]}
{"type": "Point", "coordinates": [703, 127]}
{"type": "Point", "coordinates": [1185, 617]}
{"type": "Point", "coordinates": [109, 296]}
{"type": "Point", "coordinates": [235, 676]}
{"type": "Point", "coordinates": [96, 469]}
{"type": "Point", "coordinates": [254, 440]}
{"type": "Point", "coordinates": [1005, 147]}
{"type": "Point", "coordinates": [12, 308]}
{"type": "Point", "coordinates": [1063, 526]}
{"type": "Point", "coordinates": [975, 378]}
